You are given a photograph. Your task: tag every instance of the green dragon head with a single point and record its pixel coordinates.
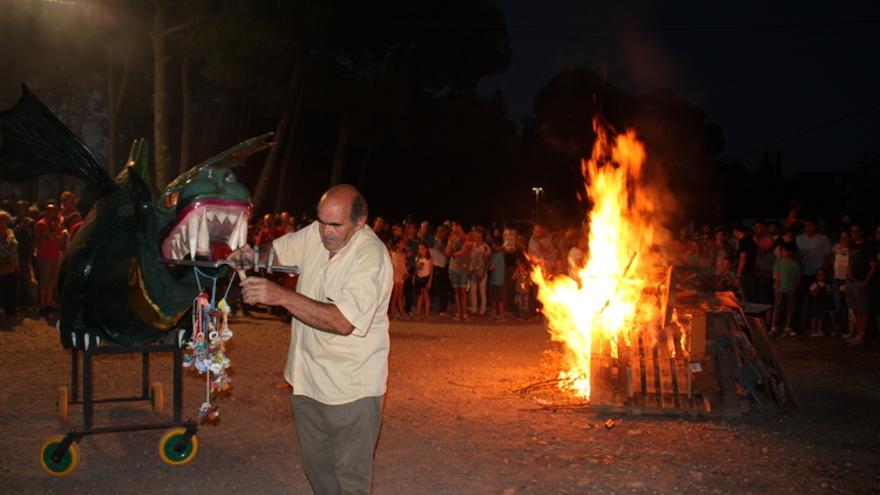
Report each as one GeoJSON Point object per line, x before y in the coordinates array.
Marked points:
{"type": "Point", "coordinates": [203, 213]}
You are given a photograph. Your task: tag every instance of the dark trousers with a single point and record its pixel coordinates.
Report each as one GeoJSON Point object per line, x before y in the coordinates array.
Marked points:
{"type": "Point", "coordinates": [802, 304]}
{"type": "Point", "coordinates": [9, 293]}
{"type": "Point", "coordinates": [441, 288]}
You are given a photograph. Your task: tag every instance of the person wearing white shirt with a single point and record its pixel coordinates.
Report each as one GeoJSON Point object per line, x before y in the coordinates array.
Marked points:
{"type": "Point", "coordinates": [337, 361]}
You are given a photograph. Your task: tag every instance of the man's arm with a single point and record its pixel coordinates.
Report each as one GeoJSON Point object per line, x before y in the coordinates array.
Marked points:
{"type": "Point", "coordinates": [320, 315]}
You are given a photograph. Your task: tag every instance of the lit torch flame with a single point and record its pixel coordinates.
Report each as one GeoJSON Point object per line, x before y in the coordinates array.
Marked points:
{"type": "Point", "coordinates": [593, 317]}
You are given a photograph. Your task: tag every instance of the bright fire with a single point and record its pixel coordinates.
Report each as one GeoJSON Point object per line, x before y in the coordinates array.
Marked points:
{"type": "Point", "coordinates": [608, 305]}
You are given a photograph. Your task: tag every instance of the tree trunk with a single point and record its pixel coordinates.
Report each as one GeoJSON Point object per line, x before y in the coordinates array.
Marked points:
{"type": "Point", "coordinates": [115, 96]}
{"type": "Point", "coordinates": [362, 177]}
{"type": "Point", "coordinates": [269, 168]}
{"type": "Point", "coordinates": [340, 154]}
{"type": "Point", "coordinates": [288, 162]}
{"type": "Point", "coordinates": [185, 127]}
{"type": "Point", "coordinates": [162, 160]}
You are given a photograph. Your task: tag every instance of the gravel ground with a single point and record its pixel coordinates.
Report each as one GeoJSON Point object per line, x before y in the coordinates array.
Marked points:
{"type": "Point", "coordinates": [453, 423]}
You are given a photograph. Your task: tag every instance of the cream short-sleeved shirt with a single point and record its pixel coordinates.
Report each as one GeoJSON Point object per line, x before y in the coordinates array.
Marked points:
{"type": "Point", "coordinates": [338, 369]}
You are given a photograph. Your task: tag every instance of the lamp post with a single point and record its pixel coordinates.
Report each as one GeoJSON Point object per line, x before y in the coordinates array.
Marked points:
{"type": "Point", "coordinates": [538, 190]}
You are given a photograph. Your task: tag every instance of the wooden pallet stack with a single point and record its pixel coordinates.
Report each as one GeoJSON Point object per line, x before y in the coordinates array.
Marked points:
{"type": "Point", "coordinates": [724, 366]}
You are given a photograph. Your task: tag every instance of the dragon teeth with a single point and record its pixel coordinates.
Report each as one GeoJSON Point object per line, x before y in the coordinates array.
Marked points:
{"type": "Point", "coordinates": [192, 234]}
{"type": "Point", "coordinates": [203, 243]}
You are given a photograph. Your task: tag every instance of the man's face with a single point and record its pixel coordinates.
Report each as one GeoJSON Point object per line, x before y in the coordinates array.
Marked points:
{"type": "Point", "coordinates": [336, 227]}
{"type": "Point", "coordinates": [52, 212]}
{"type": "Point", "coordinates": [856, 233]}
{"type": "Point", "coordinates": [538, 231]}
{"type": "Point", "coordinates": [759, 229]}
{"type": "Point", "coordinates": [810, 228]}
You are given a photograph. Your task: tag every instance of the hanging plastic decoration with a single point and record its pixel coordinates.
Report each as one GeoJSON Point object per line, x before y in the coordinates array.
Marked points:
{"type": "Point", "coordinates": [206, 351]}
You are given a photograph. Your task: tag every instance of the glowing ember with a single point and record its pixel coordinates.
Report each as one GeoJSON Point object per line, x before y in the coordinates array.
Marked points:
{"type": "Point", "coordinates": [592, 317]}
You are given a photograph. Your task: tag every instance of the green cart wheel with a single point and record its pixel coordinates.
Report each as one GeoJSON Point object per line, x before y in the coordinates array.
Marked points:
{"type": "Point", "coordinates": [168, 451]}
{"type": "Point", "coordinates": [68, 462]}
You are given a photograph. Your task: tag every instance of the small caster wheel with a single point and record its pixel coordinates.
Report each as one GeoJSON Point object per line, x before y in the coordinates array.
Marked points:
{"type": "Point", "coordinates": [172, 452]}
{"type": "Point", "coordinates": [157, 396]}
{"type": "Point", "coordinates": [62, 402]}
{"type": "Point", "coordinates": [64, 466]}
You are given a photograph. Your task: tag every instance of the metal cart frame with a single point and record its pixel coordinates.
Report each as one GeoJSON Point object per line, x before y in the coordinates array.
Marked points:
{"type": "Point", "coordinates": [88, 400]}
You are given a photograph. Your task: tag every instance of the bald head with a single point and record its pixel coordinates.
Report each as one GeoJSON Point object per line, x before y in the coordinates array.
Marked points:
{"type": "Point", "coordinates": [342, 211]}
{"type": "Point", "coordinates": [346, 194]}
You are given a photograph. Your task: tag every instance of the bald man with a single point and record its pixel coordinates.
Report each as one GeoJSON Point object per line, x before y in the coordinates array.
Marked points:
{"type": "Point", "coordinates": [337, 362]}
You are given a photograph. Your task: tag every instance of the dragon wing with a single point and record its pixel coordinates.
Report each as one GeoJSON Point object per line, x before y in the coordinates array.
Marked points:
{"type": "Point", "coordinates": [35, 142]}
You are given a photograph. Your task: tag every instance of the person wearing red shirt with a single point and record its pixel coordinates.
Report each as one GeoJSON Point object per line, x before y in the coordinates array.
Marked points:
{"type": "Point", "coordinates": [50, 237]}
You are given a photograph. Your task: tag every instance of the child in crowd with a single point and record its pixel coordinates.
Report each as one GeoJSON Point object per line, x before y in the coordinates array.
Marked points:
{"type": "Point", "coordinates": [819, 303]}
{"type": "Point", "coordinates": [398, 263]}
{"type": "Point", "coordinates": [523, 283]}
{"type": "Point", "coordinates": [786, 276]}
{"type": "Point", "coordinates": [496, 279]}
{"type": "Point", "coordinates": [422, 279]}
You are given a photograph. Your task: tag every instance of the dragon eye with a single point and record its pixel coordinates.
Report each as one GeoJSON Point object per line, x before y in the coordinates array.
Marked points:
{"type": "Point", "coordinates": [171, 200]}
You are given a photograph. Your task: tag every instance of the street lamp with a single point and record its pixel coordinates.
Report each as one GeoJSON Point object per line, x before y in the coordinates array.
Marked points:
{"type": "Point", "coordinates": [538, 190]}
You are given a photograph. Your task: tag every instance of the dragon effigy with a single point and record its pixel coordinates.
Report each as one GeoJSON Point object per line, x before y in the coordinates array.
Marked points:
{"type": "Point", "coordinates": [114, 284]}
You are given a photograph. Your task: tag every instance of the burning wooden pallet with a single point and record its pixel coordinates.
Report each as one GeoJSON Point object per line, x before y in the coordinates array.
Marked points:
{"type": "Point", "coordinates": [724, 365]}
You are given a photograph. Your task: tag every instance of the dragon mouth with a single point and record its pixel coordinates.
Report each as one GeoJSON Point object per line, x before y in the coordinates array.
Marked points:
{"type": "Point", "coordinates": [208, 229]}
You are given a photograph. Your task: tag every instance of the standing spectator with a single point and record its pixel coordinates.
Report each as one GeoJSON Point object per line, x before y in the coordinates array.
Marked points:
{"type": "Point", "coordinates": [285, 224]}
{"type": "Point", "coordinates": [814, 247]}
{"type": "Point", "coordinates": [425, 233]}
{"type": "Point", "coordinates": [380, 227]}
{"type": "Point", "coordinates": [862, 267]}
{"type": "Point", "coordinates": [840, 267]}
{"type": "Point", "coordinates": [441, 285]}
{"type": "Point", "coordinates": [746, 256]}
{"type": "Point", "coordinates": [497, 270]}
{"type": "Point", "coordinates": [73, 222]}
{"type": "Point", "coordinates": [410, 233]}
{"type": "Point", "coordinates": [786, 275]}
{"type": "Point", "coordinates": [9, 267]}
{"type": "Point", "coordinates": [458, 251]}
{"type": "Point", "coordinates": [764, 263]}
{"type": "Point", "coordinates": [719, 251]}
{"type": "Point", "coordinates": [423, 276]}
{"type": "Point", "coordinates": [576, 256]}
{"type": "Point", "coordinates": [24, 235]}
{"type": "Point", "coordinates": [68, 205]}
{"type": "Point", "coordinates": [523, 282]}
{"type": "Point", "coordinates": [267, 232]}
{"type": "Point", "coordinates": [478, 271]}
{"type": "Point", "coordinates": [542, 249]}
{"type": "Point", "coordinates": [398, 263]}
{"type": "Point", "coordinates": [512, 252]}
{"type": "Point", "coordinates": [50, 238]}
{"type": "Point", "coordinates": [819, 295]}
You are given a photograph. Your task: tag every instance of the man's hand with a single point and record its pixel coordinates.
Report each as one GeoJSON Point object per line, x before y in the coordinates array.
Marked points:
{"type": "Point", "coordinates": [258, 290]}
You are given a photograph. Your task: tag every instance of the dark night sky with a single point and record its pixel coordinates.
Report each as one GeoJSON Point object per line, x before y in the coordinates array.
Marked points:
{"type": "Point", "coordinates": [799, 76]}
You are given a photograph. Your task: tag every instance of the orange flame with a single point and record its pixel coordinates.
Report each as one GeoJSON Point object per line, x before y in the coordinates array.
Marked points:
{"type": "Point", "coordinates": [592, 316]}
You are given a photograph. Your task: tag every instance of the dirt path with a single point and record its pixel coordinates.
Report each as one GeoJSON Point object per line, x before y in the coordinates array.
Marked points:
{"type": "Point", "coordinates": [452, 424]}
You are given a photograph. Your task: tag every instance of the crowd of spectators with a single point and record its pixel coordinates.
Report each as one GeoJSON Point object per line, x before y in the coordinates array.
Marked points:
{"type": "Point", "coordinates": [818, 284]}
{"type": "Point", "coordinates": [33, 238]}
